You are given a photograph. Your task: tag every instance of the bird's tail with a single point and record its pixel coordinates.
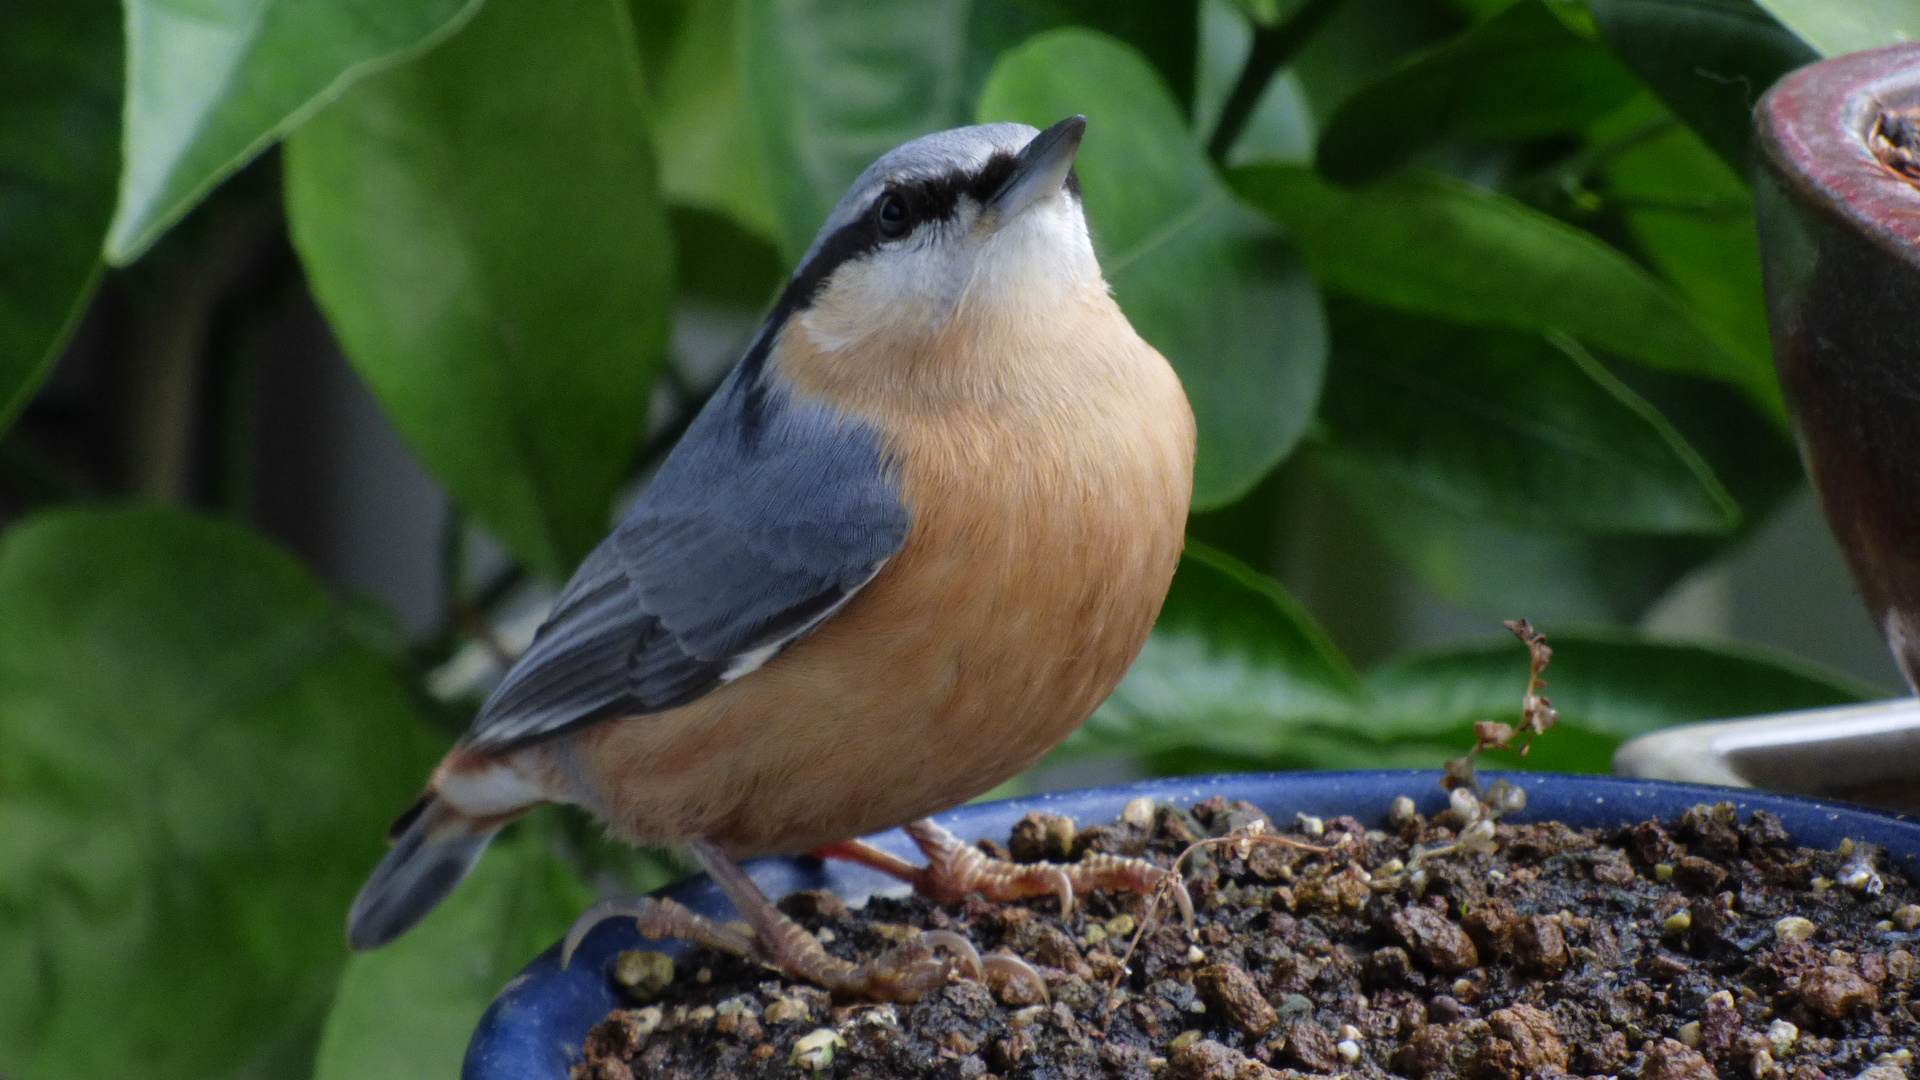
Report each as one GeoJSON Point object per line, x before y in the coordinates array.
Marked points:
{"type": "Point", "coordinates": [434, 845]}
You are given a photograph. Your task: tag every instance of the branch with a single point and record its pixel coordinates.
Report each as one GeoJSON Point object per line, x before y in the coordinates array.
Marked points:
{"type": "Point", "coordinates": [1273, 47]}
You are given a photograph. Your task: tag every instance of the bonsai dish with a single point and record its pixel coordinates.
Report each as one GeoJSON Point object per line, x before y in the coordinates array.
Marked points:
{"type": "Point", "coordinates": [536, 1028]}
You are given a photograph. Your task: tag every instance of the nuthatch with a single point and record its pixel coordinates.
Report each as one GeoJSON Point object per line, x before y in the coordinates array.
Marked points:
{"type": "Point", "coordinates": [911, 542]}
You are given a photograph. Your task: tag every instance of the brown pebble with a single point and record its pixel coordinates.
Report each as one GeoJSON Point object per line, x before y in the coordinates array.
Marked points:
{"type": "Point", "coordinates": [1427, 1052]}
{"type": "Point", "coordinates": [1872, 967]}
{"type": "Point", "coordinates": [1270, 862]}
{"type": "Point", "coordinates": [1040, 837]}
{"type": "Point", "coordinates": [600, 1069]}
{"type": "Point", "coordinates": [1435, 940]}
{"type": "Point", "coordinates": [1605, 1055]}
{"type": "Point", "coordinates": [1539, 947]}
{"type": "Point", "coordinates": [1204, 1059]}
{"type": "Point", "coordinates": [1388, 966]}
{"type": "Point", "coordinates": [642, 975]}
{"type": "Point", "coordinates": [1906, 917]}
{"type": "Point", "coordinates": [1649, 841]}
{"type": "Point", "coordinates": [814, 904]}
{"type": "Point", "coordinates": [1613, 872]}
{"type": "Point", "coordinates": [1836, 993]}
{"type": "Point", "coordinates": [1670, 1059]}
{"type": "Point", "coordinates": [618, 1036]}
{"type": "Point", "coordinates": [1491, 926]}
{"type": "Point", "coordinates": [1011, 1049]}
{"type": "Point", "coordinates": [1698, 875]}
{"type": "Point", "coordinates": [1720, 1024]}
{"type": "Point", "coordinates": [1523, 1043]}
{"type": "Point", "coordinates": [1900, 968]}
{"type": "Point", "coordinates": [1232, 992]}
{"type": "Point", "coordinates": [1309, 1046]}
{"type": "Point", "coordinates": [1044, 943]}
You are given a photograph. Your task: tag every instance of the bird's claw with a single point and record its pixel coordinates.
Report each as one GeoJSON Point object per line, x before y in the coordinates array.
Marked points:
{"type": "Point", "coordinates": [955, 869]}
{"type": "Point", "coordinates": [903, 973]}
{"type": "Point", "coordinates": [658, 919]}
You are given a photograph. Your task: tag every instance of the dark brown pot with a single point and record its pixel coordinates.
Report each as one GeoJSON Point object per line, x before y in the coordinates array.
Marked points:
{"type": "Point", "coordinates": [1840, 240]}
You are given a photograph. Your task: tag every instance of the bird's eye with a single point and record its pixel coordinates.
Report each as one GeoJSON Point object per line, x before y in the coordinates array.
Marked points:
{"type": "Point", "coordinates": [892, 216]}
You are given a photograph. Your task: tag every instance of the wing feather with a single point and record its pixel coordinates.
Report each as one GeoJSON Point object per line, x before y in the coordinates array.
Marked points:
{"type": "Point", "coordinates": [768, 516]}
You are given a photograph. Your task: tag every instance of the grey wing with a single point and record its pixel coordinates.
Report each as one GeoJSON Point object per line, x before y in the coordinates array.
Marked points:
{"type": "Point", "coordinates": [770, 513]}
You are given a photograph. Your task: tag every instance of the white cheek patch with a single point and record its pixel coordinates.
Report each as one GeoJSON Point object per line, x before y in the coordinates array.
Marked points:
{"type": "Point", "coordinates": [1032, 261]}
{"type": "Point", "coordinates": [911, 288]}
{"type": "Point", "coordinates": [1038, 259]}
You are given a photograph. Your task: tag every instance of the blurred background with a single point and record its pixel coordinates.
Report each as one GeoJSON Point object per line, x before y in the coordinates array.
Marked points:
{"type": "Point", "coordinates": [334, 332]}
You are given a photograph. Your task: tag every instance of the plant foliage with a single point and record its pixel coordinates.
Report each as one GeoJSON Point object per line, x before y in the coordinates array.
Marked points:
{"type": "Point", "coordinates": [1485, 269]}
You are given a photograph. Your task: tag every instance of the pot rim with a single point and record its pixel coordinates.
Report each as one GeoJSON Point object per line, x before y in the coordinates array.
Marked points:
{"type": "Point", "coordinates": [1813, 128]}
{"type": "Point", "coordinates": [534, 1028]}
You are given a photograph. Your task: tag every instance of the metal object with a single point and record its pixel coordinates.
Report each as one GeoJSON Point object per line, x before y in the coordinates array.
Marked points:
{"type": "Point", "coordinates": [1867, 754]}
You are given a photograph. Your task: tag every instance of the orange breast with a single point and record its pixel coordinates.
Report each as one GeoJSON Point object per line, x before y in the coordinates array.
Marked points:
{"type": "Point", "coordinates": [1049, 500]}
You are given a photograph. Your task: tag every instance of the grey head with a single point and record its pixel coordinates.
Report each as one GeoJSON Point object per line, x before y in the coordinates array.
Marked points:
{"type": "Point", "coordinates": [916, 227]}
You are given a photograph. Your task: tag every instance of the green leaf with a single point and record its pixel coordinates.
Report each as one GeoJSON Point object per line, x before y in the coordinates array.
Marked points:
{"type": "Point", "coordinates": [1232, 664]}
{"type": "Point", "coordinates": [407, 1010]}
{"type": "Point", "coordinates": [209, 85]}
{"type": "Point", "coordinates": [1166, 32]}
{"type": "Point", "coordinates": [1438, 246]}
{"type": "Point", "coordinates": [1506, 570]}
{"type": "Point", "coordinates": [704, 133]}
{"type": "Point", "coordinates": [1708, 60]}
{"type": "Point", "coordinates": [482, 228]}
{"type": "Point", "coordinates": [1615, 683]}
{"type": "Point", "coordinates": [1203, 279]}
{"type": "Point", "coordinates": [1362, 40]}
{"type": "Point", "coordinates": [1844, 26]}
{"type": "Point", "coordinates": [1516, 429]}
{"type": "Point", "coordinates": [1521, 74]}
{"type": "Point", "coordinates": [1236, 677]}
{"type": "Point", "coordinates": [1692, 217]}
{"type": "Point", "coordinates": [1557, 574]}
{"type": "Point", "coordinates": [835, 84]}
{"type": "Point", "coordinates": [198, 758]}
{"type": "Point", "coordinates": [59, 125]}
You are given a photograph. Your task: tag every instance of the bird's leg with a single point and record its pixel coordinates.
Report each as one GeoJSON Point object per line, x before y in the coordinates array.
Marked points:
{"type": "Point", "coordinates": [955, 869]}
{"type": "Point", "coordinates": [904, 973]}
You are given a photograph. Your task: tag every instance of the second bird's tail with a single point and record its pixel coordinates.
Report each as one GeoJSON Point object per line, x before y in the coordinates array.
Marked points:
{"type": "Point", "coordinates": [436, 846]}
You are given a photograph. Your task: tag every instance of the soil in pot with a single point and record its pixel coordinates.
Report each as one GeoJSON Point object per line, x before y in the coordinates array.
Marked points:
{"type": "Point", "coordinates": [1457, 948]}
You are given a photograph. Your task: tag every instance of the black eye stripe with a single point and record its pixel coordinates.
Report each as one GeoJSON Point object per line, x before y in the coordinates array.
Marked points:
{"type": "Point", "coordinates": [927, 199]}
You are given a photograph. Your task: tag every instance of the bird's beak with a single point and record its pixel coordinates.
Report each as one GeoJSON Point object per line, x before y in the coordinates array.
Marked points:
{"type": "Point", "coordinates": [1042, 168]}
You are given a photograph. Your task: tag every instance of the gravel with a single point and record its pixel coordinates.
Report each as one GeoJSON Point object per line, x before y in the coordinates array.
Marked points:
{"type": "Point", "coordinates": [1702, 948]}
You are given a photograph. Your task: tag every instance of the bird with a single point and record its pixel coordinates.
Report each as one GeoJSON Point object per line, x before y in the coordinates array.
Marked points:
{"type": "Point", "coordinates": [908, 545]}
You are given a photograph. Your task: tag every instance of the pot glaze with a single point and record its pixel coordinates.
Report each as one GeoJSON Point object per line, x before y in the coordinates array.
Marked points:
{"type": "Point", "coordinates": [1840, 246]}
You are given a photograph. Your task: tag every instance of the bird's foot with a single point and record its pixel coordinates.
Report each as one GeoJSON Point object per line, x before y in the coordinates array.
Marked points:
{"type": "Point", "coordinates": [906, 972]}
{"type": "Point", "coordinates": [955, 869]}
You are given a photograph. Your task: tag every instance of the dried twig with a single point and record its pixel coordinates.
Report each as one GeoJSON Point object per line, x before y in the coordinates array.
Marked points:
{"type": "Point", "coordinates": [1537, 714]}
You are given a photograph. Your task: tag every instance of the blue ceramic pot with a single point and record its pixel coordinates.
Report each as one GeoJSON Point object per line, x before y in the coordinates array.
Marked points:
{"type": "Point", "coordinates": [534, 1028]}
